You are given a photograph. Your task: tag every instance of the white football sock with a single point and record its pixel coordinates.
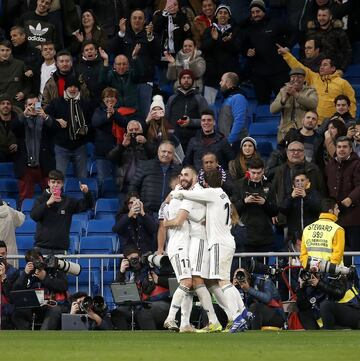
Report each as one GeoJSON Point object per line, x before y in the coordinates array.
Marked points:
{"type": "Point", "coordinates": [234, 300]}
{"type": "Point", "coordinates": [186, 308]}
{"type": "Point", "coordinates": [205, 300]}
{"type": "Point", "coordinates": [220, 298]}
{"type": "Point", "coordinates": [176, 301]}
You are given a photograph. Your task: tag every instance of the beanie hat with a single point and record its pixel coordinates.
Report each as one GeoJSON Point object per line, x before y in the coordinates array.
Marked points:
{"type": "Point", "coordinates": [72, 81]}
{"type": "Point", "coordinates": [157, 101]}
{"type": "Point", "coordinates": [222, 6]}
{"type": "Point", "coordinates": [258, 4]}
{"type": "Point", "coordinates": [186, 72]}
{"type": "Point", "coordinates": [5, 96]}
{"type": "Point", "coordinates": [248, 139]}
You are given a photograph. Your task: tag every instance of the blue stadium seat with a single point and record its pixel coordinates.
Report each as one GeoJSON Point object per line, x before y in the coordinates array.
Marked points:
{"type": "Point", "coordinates": [109, 189]}
{"type": "Point", "coordinates": [265, 149]}
{"type": "Point", "coordinates": [74, 244]}
{"type": "Point", "coordinates": [28, 228]}
{"type": "Point", "coordinates": [24, 243]}
{"type": "Point", "coordinates": [262, 114]}
{"type": "Point", "coordinates": [96, 244]}
{"type": "Point", "coordinates": [106, 208]}
{"type": "Point", "coordinates": [26, 206]}
{"type": "Point", "coordinates": [352, 74]}
{"type": "Point", "coordinates": [7, 170]}
{"type": "Point", "coordinates": [102, 227]}
{"type": "Point", "coordinates": [296, 51]}
{"type": "Point", "coordinates": [72, 189]}
{"type": "Point", "coordinates": [10, 201]}
{"type": "Point", "coordinates": [9, 188]}
{"type": "Point", "coordinates": [83, 218]}
{"type": "Point", "coordinates": [264, 132]}
{"type": "Point", "coordinates": [70, 170]}
{"type": "Point", "coordinates": [76, 227]}
{"type": "Point", "coordinates": [88, 282]}
{"type": "Point", "coordinates": [93, 263]}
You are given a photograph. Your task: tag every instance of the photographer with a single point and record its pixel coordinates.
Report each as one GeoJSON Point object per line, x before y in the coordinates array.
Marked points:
{"type": "Point", "coordinates": [262, 298]}
{"type": "Point", "coordinates": [153, 287]}
{"type": "Point", "coordinates": [339, 306]}
{"type": "Point", "coordinates": [134, 225]}
{"type": "Point", "coordinates": [39, 275]}
{"type": "Point", "coordinates": [8, 275]}
{"type": "Point", "coordinates": [94, 308]}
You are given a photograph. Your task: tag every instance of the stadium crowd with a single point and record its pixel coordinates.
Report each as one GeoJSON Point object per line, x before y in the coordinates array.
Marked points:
{"type": "Point", "coordinates": [161, 94]}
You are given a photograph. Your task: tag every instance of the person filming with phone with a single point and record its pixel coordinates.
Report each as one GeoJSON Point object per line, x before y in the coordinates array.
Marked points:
{"type": "Point", "coordinates": [35, 155]}
{"type": "Point", "coordinates": [53, 212]}
{"type": "Point", "coordinates": [256, 206]}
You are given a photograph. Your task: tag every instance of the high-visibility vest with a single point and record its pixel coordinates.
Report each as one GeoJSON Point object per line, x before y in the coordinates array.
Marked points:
{"type": "Point", "coordinates": [318, 237]}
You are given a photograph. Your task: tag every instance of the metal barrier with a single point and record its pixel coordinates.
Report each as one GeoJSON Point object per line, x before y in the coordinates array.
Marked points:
{"type": "Point", "coordinates": [109, 264]}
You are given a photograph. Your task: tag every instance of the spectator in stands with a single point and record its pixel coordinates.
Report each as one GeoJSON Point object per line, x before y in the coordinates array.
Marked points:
{"type": "Point", "coordinates": [8, 274]}
{"type": "Point", "coordinates": [307, 134]}
{"type": "Point", "coordinates": [108, 13]}
{"type": "Point", "coordinates": [328, 84]}
{"type": "Point", "coordinates": [128, 154]}
{"type": "Point", "coordinates": [334, 41]}
{"type": "Point", "coordinates": [88, 70]}
{"type": "Point", "coordinates": [41, 27]}
{"type": "Point", "coordinates": [151, 180]}
{"type": "Point", "coordinates": [23, 50]}
{"type": "Point", "coordinates": [96, 312]}
{"type": "Point", "coordinates": [269, 71]}
{"type": "Point", "coordinates": [159, 129]}
{"type": "Point", "coordinates": [302, 206]}
{"type": "Point", "coordinates": [238, 168]}
{"type": "Point", "coordinates": [134, 225]}
{"type": "Point", "coordinates": [256, 206]}
{"type": "Point", "coordinates": [293, 101]}
{"type": "Point", "coordinates": [13, 81]}
{"type": "Point", "coordinates": [131, 35]}
{"type": "Point", "coordinates": [187, 58]}
{"type": "Point", "coordinates": [295, 160]}
{"type": "Point", "coordinates": [313, 56]}
{"type": "Point", "coordinates": [354, 134]}
{"type": "Point", "coordinates": [203, 21]}
{"type": "Point", "coordinates": [343, 181]}
{"type": "Point", "coordinates": [123, 79]}
{"type": "Point", "coordinates": [48, 67]}
{"type": "Point", "coordinates": [234, 113]}
{"type": "Point", "coordinates": [336, 128]}
{"type": "Point", "coordinates": [54, 87]}
{"type": "Point", "coordinates": [153, 287]}
{"type": "Point", "coordinates": [8, 141]}
{"type": "Point", "coordinates": [53, 213]}
{"type": "Point", "coordinates": [89, 31]}
{"type": "Point", "coordinates": [71, 116]}
{"type": "Point", "coordinates": [342, 106]}
{"type": "Point", "coordinates": [172, 26]}
{"type": "Point", "coordinates": [9, 220]}
{"type": "Point", "coordinates": [220, 45]}
{"type": "Point", "coordinates": [37, 275]}
{"type": "Point", "coordinates": [104, 119]}
{"type": "Point", "coordinates": [208, 140]}
{"type": "Point", "coordinates": [183, 109]}
{"type": "Point", "coordinates": [35, 156]}
{"type": "Point", "coordinates": [262, 298]}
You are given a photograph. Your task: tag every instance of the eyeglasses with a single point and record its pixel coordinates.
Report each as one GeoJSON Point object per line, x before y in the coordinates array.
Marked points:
{"type": "Point", "coordinates": [295, 150]}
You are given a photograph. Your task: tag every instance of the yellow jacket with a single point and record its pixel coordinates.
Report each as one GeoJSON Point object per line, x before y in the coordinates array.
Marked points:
{"type": "Point", "coordinates": [338, 242]}
{"type": "Point", "coordinates": [328, 87]}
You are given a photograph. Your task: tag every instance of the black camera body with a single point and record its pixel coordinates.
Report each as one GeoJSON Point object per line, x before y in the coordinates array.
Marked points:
{"type": "Point", "coordinates": [305, 275]}
{"type": "Point", "coordinates": [240, 276]}
{"type": "Point", "coordinates": [135, 264]}
{"type": "Point", "coordinates": [2, 260]}
{"type": "Point", "coordinates": [96, 304]}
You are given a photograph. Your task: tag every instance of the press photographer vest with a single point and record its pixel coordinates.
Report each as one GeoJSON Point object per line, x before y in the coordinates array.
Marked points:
{"type": "Point", "coordinates": [318, 237]}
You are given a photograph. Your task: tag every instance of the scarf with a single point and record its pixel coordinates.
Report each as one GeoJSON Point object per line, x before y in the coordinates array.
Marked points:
{"type": "Point", "coordinates": [77, 126]}
{"type": "Point", "coordinates": [222, 28]}
{"type": "Point", "coordinates": [33, 129]}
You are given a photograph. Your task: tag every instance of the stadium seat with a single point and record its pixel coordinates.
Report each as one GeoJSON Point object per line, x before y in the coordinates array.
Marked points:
{"type": "Point", "coordinates": [24, 243]}
{"type": "Point", "coordinates": [352, 74]}
{"type": "Point", "coordinates": [72, 189]}
{"type": "Point", "coordinates": [74, 244]}
{"type": "Point", "coordinates": [28, 228]}
{"type": "Point", "coordinates": [88, 282]}
{"type": "Point", "coordinates": [109, 189]}
{"type": "Point", "coordinates": [7, 170]}
{"type": "Point", "coordinates": [9, 188]}
{"type": "Point", "coordinates": [10, 201]}
{"type": "Point", "coordinates": [96, 244]}
{"type": "Point", "coordinates": [83, 218]}
{"type": "Point", "coordinates": [265, 149]}
{"type": "Point", "coordinates": [76, 227]}
{"type": "Point", "coordinates": [264, 132]}
{"type": "Point", "coordinates": [26, 206]}
{"type": "Point", "coordinates": [106, 208]}
{"type": "Point", "coordinates": [262, 114]}
{"type": "Point", "coordinates": [102, 227]}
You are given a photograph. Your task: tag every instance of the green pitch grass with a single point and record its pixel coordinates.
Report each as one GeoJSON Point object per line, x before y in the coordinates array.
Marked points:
{"type": "Point", "coordinates": [158, 346]}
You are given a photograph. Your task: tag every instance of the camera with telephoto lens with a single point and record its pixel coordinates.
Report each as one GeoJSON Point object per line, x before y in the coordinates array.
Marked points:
{"type": "Point", "coordinates": [316, 265]}
{"type": "Point", "coordinates": [54, 263]}
{"type": "Point", "coordinates": [96, 304]}
{"type": "Point", "coordinates": [159, 261]}
{"type": "Point", "coordinates": [240, 276]}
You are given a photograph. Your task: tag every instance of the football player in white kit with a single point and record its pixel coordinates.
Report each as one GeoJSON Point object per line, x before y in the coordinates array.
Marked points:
{"type": "Point", "coordinates": [221, 243]}
{"type": "Point", "coordinates": [198, 251]}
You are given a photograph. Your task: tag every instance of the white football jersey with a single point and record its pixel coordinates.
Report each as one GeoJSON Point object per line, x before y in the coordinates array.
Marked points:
{"type": "Point", "coordinates": [218, 213]}
{"type": "Point", "coordinates": [197, 213]}
{"type": "Point", "coordinates": [178, 236]}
